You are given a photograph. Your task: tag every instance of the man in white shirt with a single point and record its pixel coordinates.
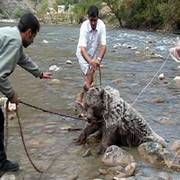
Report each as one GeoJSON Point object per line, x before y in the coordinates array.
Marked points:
{"type": "Point", "coordinates": [91, 48]}
{"type": "Point", "coordinates": [175, 53]}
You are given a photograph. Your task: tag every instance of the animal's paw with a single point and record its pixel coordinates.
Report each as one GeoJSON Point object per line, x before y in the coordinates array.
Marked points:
{"type": "Point", "coordinates": [76, 141]}
{"type": "Point", "coordinates": [101, 150]}
{"type": "Point", "coordinates": [79, 105]}
{"type": "Point", "coordinates": [81, 139]}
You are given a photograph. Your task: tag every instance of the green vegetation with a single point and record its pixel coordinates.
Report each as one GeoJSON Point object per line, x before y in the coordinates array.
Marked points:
{"type": "Point", "coordinates": [151, 14]}
{"type": "Point", "coordinates": [136, 14]}
{"type": "Point", "coordinates": [139, 14]}
{"type": "Point", "coordinates": [80, 9]}
{"type": "Point", "coordinates": [18, 12]}
{"type": "Point", "coordinates": [42, 8]}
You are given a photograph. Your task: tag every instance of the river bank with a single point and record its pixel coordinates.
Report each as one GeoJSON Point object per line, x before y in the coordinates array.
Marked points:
{"type": "Point", "coordinates": [110, 26]}
{"type": "Point", "coordinates": [8, 20]}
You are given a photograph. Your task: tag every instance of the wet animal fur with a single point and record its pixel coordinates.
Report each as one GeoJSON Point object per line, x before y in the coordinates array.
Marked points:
{"type": "Point", "coordinates": [118, 122]}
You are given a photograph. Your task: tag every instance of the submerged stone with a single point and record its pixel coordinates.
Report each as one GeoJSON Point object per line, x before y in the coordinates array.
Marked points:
{"type": "Point", "coordinates": [115, 156]}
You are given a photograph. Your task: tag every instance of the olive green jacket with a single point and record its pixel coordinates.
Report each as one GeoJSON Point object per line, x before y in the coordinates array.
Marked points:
{"type": "Point", "coordinates": [11, 54]}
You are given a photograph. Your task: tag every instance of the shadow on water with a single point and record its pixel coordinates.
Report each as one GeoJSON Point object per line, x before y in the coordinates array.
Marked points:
{"type": "Point", "coordinates": [127, 66]}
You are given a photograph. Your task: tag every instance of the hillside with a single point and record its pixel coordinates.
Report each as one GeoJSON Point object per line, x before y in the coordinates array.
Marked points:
{"type": "Point", "coordinates": [14, 8]}
{"type": "Point", "coordinates": [142, 14]}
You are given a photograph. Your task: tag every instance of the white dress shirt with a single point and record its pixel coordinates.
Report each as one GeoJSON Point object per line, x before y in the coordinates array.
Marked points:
{"type": "Point", "coordinates": [91, 40]}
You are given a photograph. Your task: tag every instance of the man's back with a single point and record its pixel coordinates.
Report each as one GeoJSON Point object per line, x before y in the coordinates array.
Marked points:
{"type": "Point", "coordinates": [9, 35]}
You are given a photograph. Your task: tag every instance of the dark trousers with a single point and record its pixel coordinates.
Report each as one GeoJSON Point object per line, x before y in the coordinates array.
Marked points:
{"type": "Point", "coordinates": [2, 149]}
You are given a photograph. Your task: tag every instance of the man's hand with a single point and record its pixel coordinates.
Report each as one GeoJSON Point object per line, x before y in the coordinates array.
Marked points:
{"type": "Point", "coordinates": [15, 99]}
{"type": "Point", "coordinates": [46, 75]}
{"type": "Point", "coordinates": [95, 64]}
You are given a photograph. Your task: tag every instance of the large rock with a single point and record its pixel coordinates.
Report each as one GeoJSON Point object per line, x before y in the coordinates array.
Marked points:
{"type": "Point", "coordinates": [115, 156]}
{"type": "Point", "coordinates": [123, 164]}
{"type": "Point", "coordinates": [156, 154]}
{"type": "Point", "coordinates": [176, 147]}
{"type": "Point", "coordinates": [152, 152]}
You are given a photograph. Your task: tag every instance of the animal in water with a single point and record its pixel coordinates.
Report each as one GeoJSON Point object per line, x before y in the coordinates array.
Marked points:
{"type": "Point", "coordinates": [117, 122]}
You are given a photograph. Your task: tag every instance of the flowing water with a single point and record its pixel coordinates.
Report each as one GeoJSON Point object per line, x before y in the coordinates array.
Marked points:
{"type": "Point", "coordinates": [128, 66]}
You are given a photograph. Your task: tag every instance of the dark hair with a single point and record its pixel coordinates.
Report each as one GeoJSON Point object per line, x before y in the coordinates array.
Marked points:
{"type": "Point", "coordinates": [93, 11]}
{"type": "Point", "coordinates": [28, 21]}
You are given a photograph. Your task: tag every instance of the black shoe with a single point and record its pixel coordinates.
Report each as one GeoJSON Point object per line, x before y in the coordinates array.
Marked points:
{"type": "Point", "coordinates": [9, 166]}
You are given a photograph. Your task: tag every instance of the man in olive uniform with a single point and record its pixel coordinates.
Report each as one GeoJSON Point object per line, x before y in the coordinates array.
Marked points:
{"type": "Point", "coordinates": [12, 41]}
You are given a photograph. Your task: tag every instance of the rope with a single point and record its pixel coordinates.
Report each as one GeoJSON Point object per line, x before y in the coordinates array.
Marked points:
{"type": "Point", "coordinates": [51, 112]}
{"type": "Point", "coordinates": [141, 92]}
{"type": "Point", "coordinates": [22, 137]}
{"type": "Point", "coordinates": [63, 115]}
{"type": "Point", "coordinates": [7, 126]}
{"type": "Point", "coordinates": [95, 79]}
{"type": "Point", "coordinates": [21, 131]}
{"type": "Point", "coordinates": [100, 78]}
{"type": "Point", "coordinates": [24, 144]}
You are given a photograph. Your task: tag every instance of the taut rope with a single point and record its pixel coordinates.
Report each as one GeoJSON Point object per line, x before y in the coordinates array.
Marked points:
{"type": "Point", "coordinates": [7, 125]}
{"type": "Point", "coordinates": [100, 78]}
{"type": "Point", "coordinates": [147, 85]}
{"type": "Point", "coordinates": [22, 137]}
{"type": "Point", "coordinates": [51, 112]}
{"type": "Point", "coordinates": [21, 131]}
{"type": "Point", "coordinates": [24, 144]}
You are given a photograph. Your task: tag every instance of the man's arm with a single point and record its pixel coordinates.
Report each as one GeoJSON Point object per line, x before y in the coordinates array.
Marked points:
{"type": "Point", "coordinates": [102, 52]}
{"type": "Point", "coordinates": [89, 60]}
{"type": "Point", "coordinates": [83, 43]}
{"type": "Point", "coordinates": [6, 88]}
{"type": "Point", "coordinates": [8, 60]}
{"type": "Point", "coordinates": [103, 46]}
{"type": "Point", "coordinates": [85, 55]}
{"type": "Point", "coordinates": [29, 65]}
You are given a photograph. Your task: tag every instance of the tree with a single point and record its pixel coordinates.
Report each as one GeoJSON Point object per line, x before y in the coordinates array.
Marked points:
{"type": "Point", "coordinates": [169, 10]}
{"type": "Point", "coordinates": [120, 8]}
{"type": "Point", "coordinates": [36, 3]}
{"type": "Point", "coordinates": [146, 13]}
{"type": "Point", "coordinates": [80, 9]}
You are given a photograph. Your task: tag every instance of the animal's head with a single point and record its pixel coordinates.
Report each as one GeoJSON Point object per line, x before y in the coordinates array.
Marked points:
{"type": "Point", "coordinates": [98, 97]}
{"type": "Point", "coordinates": [97, 101]}
{"type": "Point", "coordinates": [94, 97]}
{"type": "Point", "coordinates": [94, 104]}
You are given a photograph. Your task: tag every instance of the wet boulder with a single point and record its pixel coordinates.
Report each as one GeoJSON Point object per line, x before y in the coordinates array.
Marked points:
{"type": "Point", "coordinates": [156, 154]}
{"type": "Point", "coordinates": [123, 164]}
{"type": "Point", "coordinates": [176, 147]}
{"type": "Point", "coordinates": [115, 156]}
{"type": "Point", "coordinates": [152, 152]}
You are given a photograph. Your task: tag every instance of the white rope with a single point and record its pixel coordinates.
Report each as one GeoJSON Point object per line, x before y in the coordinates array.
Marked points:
{"type": "Point", "coordinates": [141, 92]}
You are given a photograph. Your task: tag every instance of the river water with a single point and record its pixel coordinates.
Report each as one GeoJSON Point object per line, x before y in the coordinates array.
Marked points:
{"type": "Point", "coordinates": [129, 65]}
